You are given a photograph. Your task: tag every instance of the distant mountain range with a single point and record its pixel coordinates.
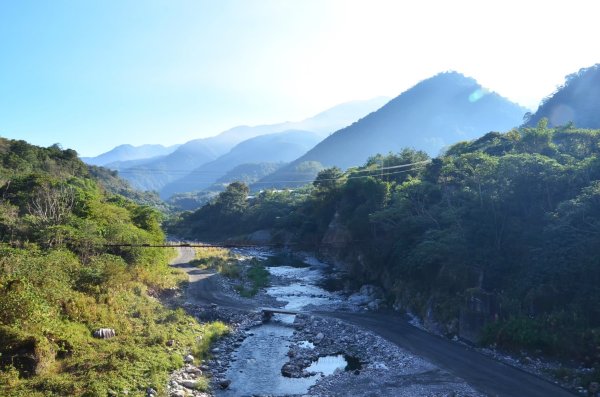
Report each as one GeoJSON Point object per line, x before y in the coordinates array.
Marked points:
{"type": "Point", "coordinates": [577, 101]}
{"type": "Point", "coordinates": [271, 148]}
{"type": "Point", "coordinates": [157, 172]}
{"type": "Point", "coordinates": [435, 113]}
{"type": "Point", "coordinates": [129, 152]}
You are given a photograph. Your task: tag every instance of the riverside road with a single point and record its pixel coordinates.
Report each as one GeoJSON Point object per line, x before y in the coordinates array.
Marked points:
{"type": "Point", "coordinates": [483, 373]}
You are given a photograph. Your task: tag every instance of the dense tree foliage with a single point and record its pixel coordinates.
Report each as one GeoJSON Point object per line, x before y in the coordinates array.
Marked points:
{"type": "Point", "coordinates": [60, 279]}
{"type": "Point", "coordinates": [505, 228]}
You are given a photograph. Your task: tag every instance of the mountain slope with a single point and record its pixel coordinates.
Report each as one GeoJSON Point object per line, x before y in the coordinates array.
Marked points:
{"type": "Point", "coordinates": [435, 113]}
{"type": "Point", "coordinates": [578, 100]}
{"type": "Point", "coordinates": [156, 174]}
{"type": "Point", "coordinates": [280, 147]}
{"type": "Point", "coordinates": [129, 152]}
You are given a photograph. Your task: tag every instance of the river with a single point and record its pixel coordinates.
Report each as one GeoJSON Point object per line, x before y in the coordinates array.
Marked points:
{"type": "Point", "coordinates": [256, 365]}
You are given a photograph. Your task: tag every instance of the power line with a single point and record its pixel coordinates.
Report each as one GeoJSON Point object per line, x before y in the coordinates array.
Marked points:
{"type": "Point", "coordinates": [340, 178]}
{"type": "Point", "coordinates": [197, 172]}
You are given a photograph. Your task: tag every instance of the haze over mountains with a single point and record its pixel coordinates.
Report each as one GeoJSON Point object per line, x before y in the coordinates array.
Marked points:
{"type": "Point", "coordinates": [156, 173]}
{"type": "Point", "coordinates": [577, 101]}
{"type": "Point", "coordinates": [129, 152]}
{"type": "Point", "coordinates": [271, 148]}
{"type": "Point", "coordinates": [437, 112]}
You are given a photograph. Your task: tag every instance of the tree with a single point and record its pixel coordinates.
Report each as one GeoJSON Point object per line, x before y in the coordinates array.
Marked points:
{"type": "Point", "coordinates": [234, 200]}
{"type": "Point", "coordinates": [328, 179]}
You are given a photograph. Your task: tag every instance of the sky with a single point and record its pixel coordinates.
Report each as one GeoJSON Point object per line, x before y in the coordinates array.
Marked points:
{"type": "Point", "coordinates": [91, 75]}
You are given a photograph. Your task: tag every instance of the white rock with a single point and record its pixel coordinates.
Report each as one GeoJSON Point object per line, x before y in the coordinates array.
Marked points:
{"type": "Point", "coordinates": [190, 384]}
{"type": "Point", "coordinates": [319, 338]}
{"type": "Point", "coordinates": [104, 333]}
{"type": "Point", "coordinates": [193, 370]}
{"type": "Point", "coordinates": [189, 358]}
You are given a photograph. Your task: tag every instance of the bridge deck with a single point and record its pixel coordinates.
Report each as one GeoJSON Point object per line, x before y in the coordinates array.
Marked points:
{"type": "Point", "coordinates": [277, 311]}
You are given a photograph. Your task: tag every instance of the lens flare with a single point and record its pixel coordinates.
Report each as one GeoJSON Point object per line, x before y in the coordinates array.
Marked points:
{"type": "Point", "coordinates": [478, 94]}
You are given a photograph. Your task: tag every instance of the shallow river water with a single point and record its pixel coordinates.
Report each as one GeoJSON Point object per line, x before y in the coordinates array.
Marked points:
{"type": "Point", "coordinates": [256, 365]}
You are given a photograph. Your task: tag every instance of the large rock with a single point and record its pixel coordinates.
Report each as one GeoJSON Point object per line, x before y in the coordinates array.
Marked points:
{"type": "Point", "coordinates": [319, 338]}
{"type": "Point", "coordinates": [368, 293]}
{"type": "Point", "coordinates": [372, 291]}
{"type": "Point", "coordinates": [104, 333]}
{"type": "Point", "coordinates": [188, 359]}
{"type": "Point", "coordinates": [190, 384]}
{"type": "Point", "coordinates": [224, 384]}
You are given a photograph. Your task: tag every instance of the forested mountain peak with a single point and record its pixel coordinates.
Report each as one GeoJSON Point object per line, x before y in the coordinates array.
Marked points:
{"type": "Point", "coordinates": [577, 101]}
{"type": "Point", "coordinates": [433, 114]}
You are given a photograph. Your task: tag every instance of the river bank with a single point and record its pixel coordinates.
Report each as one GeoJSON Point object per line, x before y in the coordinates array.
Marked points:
{"type": "Point", "coordinates": [306, 354]}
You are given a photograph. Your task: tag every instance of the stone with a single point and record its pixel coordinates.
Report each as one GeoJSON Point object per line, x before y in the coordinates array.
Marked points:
{"type": "Point", "coordinates": [104, 333]}
{"type": "Point", "coordinates": [178, 393]}
{"type": "Point", "coordinates": [359, 299]}
{"type": "Point", "coordinates": [224, 383]}
{"type": "Point", "coordinates": [193, 370]}
{"type": "Point", "coordinates": [170, 342]}
{"type": "Point", "coordinates": [374, 304]}
{"type": "Point", "coordinates": [190, 384]}
{"type": "Point", "coordinates": [319, 338]}
{"type": "Point", "coordinates": [188, 359]}
{"type": "Point", "coordinates": [150, 392]}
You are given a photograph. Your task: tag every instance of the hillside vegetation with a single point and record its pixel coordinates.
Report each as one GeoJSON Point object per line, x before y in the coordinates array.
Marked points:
{"type": "Point", "coordinates": [577, 101]}
{"type": "Point", "coordinates": [60, 280]}
{"type": "Point", "coordinates": [496, 241]}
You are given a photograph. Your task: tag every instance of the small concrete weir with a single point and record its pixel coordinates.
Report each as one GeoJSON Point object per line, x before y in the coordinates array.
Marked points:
{"type": "Point", "coordinates": [267, 313]}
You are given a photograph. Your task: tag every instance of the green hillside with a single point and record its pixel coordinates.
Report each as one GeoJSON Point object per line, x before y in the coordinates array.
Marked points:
{"type": "Point", "coordinates": [59, 282]}
{"type": "Point", "coordinates": [496, 241]}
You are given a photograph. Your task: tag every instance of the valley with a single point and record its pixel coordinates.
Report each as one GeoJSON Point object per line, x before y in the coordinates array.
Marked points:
{"type": "Point", "coordinates": [442, 242]}
{"type": "Point", "coordinates": [393, 356]}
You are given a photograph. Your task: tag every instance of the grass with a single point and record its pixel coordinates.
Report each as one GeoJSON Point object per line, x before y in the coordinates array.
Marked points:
{"type": "Point", "coordinates": [69, 361]}
{"type": "Point", "coordinates": [210, 334]}
{"type": "Point", "coordinates": [251, 279]}
{"type": "Point", "coordinates": [211, 257]}
{"type": "Point", "coordinates": [258, 278]}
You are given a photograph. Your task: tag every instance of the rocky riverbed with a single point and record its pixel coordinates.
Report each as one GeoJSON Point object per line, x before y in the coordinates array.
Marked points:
{"type": "Point", "coordinates": [306, 355]}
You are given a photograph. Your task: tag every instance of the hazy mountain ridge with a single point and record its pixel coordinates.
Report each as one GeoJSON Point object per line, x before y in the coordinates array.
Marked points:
{"type": "Point", "coordinates": [577, 101]}
{"type": "Point", "coordinates": [272, 148]}
{"type": "Point", "coordinates": [156, 174]}
{"type": "Point", "coordinates": [435, 113]}
{"type": "Point", "coordinates": [128, 152]}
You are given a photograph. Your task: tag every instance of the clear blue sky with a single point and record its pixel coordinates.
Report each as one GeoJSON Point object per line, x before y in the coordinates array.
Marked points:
{"type": "Point", "coordinates": [94, 74]}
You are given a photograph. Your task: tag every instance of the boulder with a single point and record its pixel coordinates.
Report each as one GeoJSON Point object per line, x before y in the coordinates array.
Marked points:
{"type": "Point", "coordinates": [319, 338]}
{"type": "Point", "coordinates": [224, 383]}
{"type": "Point", "coordinates": [188, 359]}
{"type": "Point", "coordinates": [104, 333]}
{"type": "Point", "coordinates": [372, 291]}
{"type": "Point", "coordinates": [190, 384]}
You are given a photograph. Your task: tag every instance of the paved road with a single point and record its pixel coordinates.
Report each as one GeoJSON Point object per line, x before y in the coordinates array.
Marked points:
{"type": "Point", "coordinates": [481, 372]}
